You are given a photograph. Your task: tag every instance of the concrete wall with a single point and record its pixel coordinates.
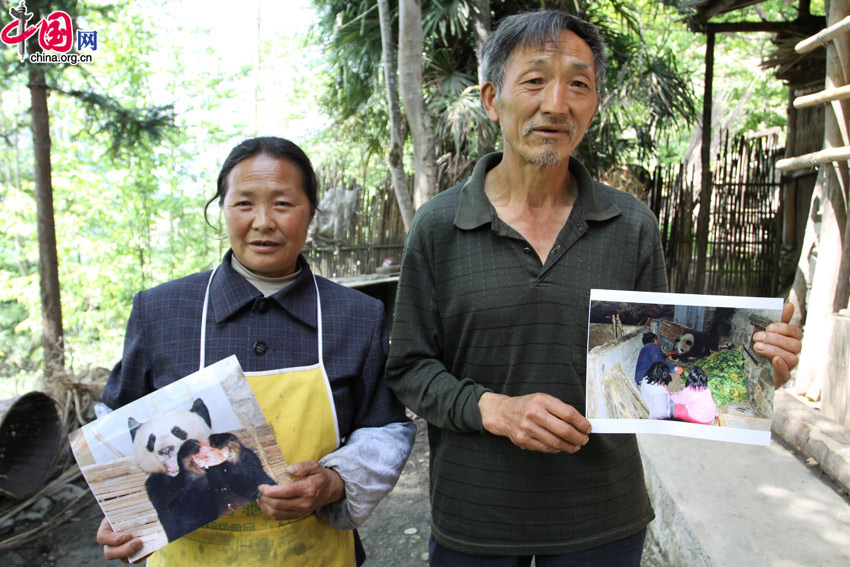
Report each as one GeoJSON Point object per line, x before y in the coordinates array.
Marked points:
{"type": "Point", "coordinates": [611, 390]}
{"type": "Point", "coordinates": [836, 385]}
{"type": "Point", "coordinates": [623, 350]}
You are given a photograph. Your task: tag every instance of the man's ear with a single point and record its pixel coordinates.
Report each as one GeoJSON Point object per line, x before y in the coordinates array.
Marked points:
{"type": "Point", "coordinates": [489, 93]}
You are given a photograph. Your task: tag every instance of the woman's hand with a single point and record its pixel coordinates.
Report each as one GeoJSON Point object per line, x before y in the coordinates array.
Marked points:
{"type": "Point", "coordinates": [313, 486]}
{"type": "Point", "coordinates": [781, 343]}
{"type": "Point", "coordinates": [117, 545]}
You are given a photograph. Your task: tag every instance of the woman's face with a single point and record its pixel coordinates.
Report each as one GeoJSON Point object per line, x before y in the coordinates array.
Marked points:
{"type": "Point", "coordinates": [267, 214]}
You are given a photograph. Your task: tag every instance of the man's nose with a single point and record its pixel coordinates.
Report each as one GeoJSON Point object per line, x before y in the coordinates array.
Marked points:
{"type": "Point", "coordinates": [555, 98]}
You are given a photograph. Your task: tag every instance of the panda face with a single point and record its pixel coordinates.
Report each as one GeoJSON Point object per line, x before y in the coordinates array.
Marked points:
{"type": "Point", "coordinates": [684, 344]}
{"type": "Point", "coordinates": [157, 441]}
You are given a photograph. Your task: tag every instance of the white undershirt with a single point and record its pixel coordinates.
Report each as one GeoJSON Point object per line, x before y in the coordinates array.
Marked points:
{"type": "Point", "coordinates": [267, 286]}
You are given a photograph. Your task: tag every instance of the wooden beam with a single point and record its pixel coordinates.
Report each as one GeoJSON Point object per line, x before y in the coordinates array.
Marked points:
{"type": "Point", "coordinates": [822, 97]}
{"type": "Point", "coordinates": [704, 217]}
{"type": "Point", "coordinates": [816, 158]}
{"type": "Point", "coordinates": [833, 31]}
{"type": "Point", "coordinates": [745, 27]}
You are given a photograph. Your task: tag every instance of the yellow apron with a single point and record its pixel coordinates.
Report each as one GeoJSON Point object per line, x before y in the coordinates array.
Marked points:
{"type": "Point", "coordinates": [299, 406]}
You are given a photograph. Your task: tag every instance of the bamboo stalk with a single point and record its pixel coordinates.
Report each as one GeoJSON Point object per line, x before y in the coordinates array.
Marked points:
{"type": "Point", "coordinates": [824, 36]}
{"type": "Point", "coordinates": [822, 97]}
{"type": "Point", "coordinates": [816, 158]}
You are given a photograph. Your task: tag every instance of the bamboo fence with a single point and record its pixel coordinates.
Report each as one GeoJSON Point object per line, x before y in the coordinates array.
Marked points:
{"type": "Point", "coordinates": [375, 233]}
{"type": "Point", "coordinates": [745, 220]}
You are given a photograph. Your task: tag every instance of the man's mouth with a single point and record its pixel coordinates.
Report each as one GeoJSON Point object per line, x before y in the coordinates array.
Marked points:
{"type": "Point", "coordinates": [549, 129]}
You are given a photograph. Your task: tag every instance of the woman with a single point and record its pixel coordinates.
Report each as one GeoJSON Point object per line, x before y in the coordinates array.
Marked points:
{"type": "Point", "coordinates": [313, 352]}
{"type": "Point", "coordinates": [694, 403]}
{"type": "Point", "coordinates": [654, 390]}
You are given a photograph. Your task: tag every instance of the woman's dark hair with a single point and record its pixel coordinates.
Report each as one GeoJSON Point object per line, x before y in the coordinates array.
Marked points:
{"type": "Point", "coordinates": [649, 338]}
{"type": "Point", "coordinates": [275, 147]}
{"type": "Point", "coordinates": [697, 379]}
{"type": "Point", "coordinates": [658, 373]}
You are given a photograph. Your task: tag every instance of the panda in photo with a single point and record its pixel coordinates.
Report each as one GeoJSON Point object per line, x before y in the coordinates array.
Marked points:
{"type": "Point", "coordinates": [195, 475]}
{"type": "Point", "coordinates": [692, 346]}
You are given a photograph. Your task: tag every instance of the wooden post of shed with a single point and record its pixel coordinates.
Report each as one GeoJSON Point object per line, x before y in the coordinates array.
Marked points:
{"type": "Point", "coordinates": [705, 157]}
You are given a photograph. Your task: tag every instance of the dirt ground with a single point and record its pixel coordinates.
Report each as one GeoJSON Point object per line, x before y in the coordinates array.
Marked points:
{"type": "Point", "coordinates": [395, 536]}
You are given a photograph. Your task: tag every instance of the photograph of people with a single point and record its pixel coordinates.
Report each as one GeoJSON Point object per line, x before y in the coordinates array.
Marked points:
{"type": "Point", "coordinates": [694, 403]}
{"type": "Point", "coordinates": [655, 392]}
{"type": "Point", "coordinates": [650, 354]}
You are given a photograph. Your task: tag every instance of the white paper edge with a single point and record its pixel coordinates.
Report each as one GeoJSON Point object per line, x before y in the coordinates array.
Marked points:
{"type": "Point", "coordinates": [681, 429]}
{"type": "Point", "coordinates": [741, 302]}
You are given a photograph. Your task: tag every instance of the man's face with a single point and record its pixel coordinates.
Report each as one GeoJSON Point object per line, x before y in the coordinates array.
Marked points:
{"type": "Point", "coordinates": [547, 100]}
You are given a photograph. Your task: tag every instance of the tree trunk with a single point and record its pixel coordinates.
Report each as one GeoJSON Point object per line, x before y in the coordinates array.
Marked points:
{"type": "Point", "coordinates": [396, 161]}
{"type": "Point", "coordinates": [48, 264]}
{"type": "Point", "coordinates": [704, 217]}
{"type": "Point", "coordinates": [410, 87]}
{"type": "Point", "coordinates": [829, 290]}
{"type": "Point", "coordinates": [482, 24]}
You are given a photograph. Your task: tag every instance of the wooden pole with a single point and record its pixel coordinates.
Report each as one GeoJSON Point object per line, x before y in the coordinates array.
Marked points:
{"type": "Point", "coordinates": [705, 155]}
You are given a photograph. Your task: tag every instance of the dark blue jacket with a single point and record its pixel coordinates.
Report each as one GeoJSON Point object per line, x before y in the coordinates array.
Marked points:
{"type": "Point", "coordinates": [163, 337]}
{"type": "Point", "coordinates": [649, 355]}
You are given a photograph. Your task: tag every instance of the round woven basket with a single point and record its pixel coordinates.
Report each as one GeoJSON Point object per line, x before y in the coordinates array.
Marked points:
{"type": "Point", "coordinates": [29, 443]}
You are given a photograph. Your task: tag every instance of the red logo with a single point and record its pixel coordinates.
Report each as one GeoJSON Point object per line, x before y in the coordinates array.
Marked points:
{"type": "Point", "coordinates": [56, 32]}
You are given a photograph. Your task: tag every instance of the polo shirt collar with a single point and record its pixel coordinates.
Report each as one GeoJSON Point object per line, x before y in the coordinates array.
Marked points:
{"type": "Point", "coordinates": [474, 208]}
{"type": "Point", "coordinates": [230, 293]}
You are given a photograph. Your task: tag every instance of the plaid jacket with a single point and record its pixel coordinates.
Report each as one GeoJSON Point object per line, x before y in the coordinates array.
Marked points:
{"type": "Point", "coordinates": [163, 338]}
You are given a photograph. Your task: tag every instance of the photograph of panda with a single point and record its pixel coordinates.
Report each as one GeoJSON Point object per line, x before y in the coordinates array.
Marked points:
{"type": "Point", "coordinates": [679, 364]}
{"type": "Point", "coordinates": [180, 457]}
{"type": "Point", "coordinates": [195, 475]}
{"type": "Point", "coordinates": [695, 345]}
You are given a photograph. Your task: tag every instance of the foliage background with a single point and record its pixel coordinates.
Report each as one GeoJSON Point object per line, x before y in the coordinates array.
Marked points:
{"type": "Point", "coordinates": [131, 218]}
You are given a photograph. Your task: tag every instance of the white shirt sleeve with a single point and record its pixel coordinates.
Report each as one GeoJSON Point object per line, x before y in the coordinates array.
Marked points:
{"type": "Point", "coordinates": [369, 464]}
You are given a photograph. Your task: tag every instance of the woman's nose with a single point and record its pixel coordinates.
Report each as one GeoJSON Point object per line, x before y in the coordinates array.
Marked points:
{"type": "Point", "coordinates": [263, 220]}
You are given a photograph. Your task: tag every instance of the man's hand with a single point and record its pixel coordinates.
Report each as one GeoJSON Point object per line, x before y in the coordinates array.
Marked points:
{"type": "Point", "coordinates": [537, 422]}
{"type": "Point", "coordinates": [314, 486]}
{"type": "Point", "coordinates": [116, 545]}
{"type": "Point", "coordinates": [781, 343]}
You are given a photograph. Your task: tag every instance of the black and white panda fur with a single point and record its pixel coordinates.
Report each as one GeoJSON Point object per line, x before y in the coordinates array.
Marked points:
{"type": "Point", "coordinates": [692, 346]}
{"type": "Point", "coordinates": [185, 495]}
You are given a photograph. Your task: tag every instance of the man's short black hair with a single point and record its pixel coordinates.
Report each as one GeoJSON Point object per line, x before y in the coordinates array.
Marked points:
{"type": "Point", "coordinates": [535, 29]}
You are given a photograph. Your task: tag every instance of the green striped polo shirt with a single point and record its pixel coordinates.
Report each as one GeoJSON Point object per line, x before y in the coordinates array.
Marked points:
{"type": "Point", "coordinates": [478, 311]}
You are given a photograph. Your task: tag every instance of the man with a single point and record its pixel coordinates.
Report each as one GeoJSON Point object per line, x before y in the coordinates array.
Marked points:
{"type": "Point", "coordinates": [490, 330]}
{"type": "Point", "coordinates": [649, 354]}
